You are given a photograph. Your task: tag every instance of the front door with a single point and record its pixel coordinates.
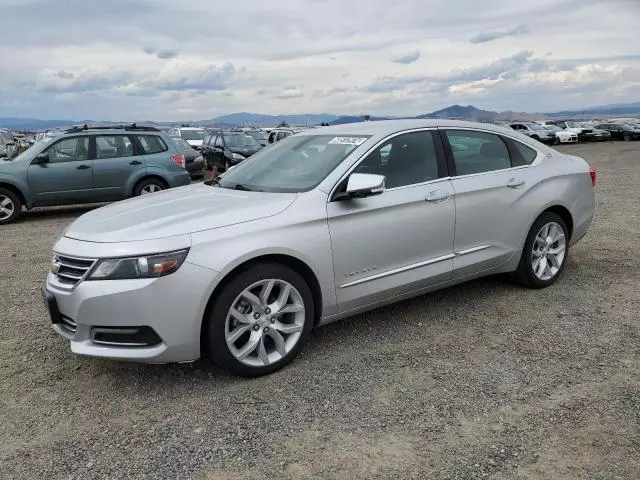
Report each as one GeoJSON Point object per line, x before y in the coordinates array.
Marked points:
{"type": "Point", "coordinates": [402, 240]}
{"type": "Point", "coordinates": [67, 177]}
{"type": "Point", "coordinates": [491, 181]}
{"type": "Point", "coordinates": [116, 161]}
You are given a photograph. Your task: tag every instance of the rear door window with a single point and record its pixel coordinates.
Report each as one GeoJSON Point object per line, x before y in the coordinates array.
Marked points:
{"type": "Point", "coordinates": [478, 152]}
{"type": "Point", "coordinates": [113, 146]}
{"type": "Point", "coordinates": [152, 144]}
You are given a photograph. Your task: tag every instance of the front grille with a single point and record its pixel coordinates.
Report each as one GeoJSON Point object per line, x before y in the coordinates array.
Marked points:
{"type": "Point", "coordinates": [69, 271]}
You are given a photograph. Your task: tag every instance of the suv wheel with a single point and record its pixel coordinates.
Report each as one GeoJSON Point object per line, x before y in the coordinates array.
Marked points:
{"type": "Point", "coordinates": [260, 320]}
{"type": "Point", "coordinates": [150, 185]}
{"type": "Point", "coordinates": [10, 206]}
{"type": "Point", "coordinates": [627, 137]}
{"type": "Point", "coordinates": [545, 252]}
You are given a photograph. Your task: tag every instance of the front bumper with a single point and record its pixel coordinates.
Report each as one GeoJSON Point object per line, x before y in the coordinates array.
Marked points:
{"type": "Point", "coordinates": [172, 307]}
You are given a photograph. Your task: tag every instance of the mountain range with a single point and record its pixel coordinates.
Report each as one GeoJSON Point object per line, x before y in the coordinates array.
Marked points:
{"type": "Point", "coordinates": [468, 112]}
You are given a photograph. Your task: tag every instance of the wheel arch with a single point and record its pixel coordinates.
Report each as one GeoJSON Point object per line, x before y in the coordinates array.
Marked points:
{"type": "Point", "coordinates": [17, 191]}
{"type": "Point", "coordinates": [564, 213]}
{"type": "Point", "coordinates": [151, 176]}
{"type": "Point", "coordinates": [291, 261]}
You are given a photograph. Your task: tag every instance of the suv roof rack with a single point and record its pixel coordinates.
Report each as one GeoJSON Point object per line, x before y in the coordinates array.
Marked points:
{"type": "Point", "coordinates": [131, 127]}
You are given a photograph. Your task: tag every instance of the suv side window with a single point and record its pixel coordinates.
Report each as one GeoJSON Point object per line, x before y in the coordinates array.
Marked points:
{"type": "Point", "coordinates": [69, 150]}
{"type": "Point", "coordinates": [152, 144]}
{"type": "Point", "coordinates": [282, 135]}
{"type": "Point", "coordinates": [478, 152]}
{"type": "Point", "coordinates": [218, 142]}
{"type": "Point", "coordinates": [113, 146]}
{"type": "Point", "coordinates": [404, 160]}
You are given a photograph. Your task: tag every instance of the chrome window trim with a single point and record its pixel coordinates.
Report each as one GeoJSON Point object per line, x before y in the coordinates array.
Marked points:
{"type": "Point", "coordinates": [371, 149]}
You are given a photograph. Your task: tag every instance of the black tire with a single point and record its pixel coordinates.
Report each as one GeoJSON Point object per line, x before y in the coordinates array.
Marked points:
{"type": "Point", "coordinates": [216, 319]}
{"type": "Point", "coordinates": [13, 203]}
{"type": "Point", "coordinates": [148, 182]}
{"type": "Point", "coordinates": [627, 138]}
{"type": "Point", "coordinates": [525, 274]}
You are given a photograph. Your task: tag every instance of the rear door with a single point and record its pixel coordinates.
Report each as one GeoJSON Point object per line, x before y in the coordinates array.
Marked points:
{"type": "Point", "coordinates": [67, 177]}
{"type": "Point", "coordinates": [117, 159]}
{"type": "Point", "coordinates": [491, 181]}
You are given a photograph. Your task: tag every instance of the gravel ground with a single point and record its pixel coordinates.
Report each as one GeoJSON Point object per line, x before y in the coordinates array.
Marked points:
{"type": "Point", "coordinates": [484, 380]}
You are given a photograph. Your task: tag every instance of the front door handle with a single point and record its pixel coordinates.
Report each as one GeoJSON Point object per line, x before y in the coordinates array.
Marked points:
{"type": "Point", "coordinates": [515, 183]}
{"type": "Point", "coordinates": [83, 167]}
{"type": "Point", "coordinates": [135, 162]}
{"type": "Point", "coordinates": [437, 196]}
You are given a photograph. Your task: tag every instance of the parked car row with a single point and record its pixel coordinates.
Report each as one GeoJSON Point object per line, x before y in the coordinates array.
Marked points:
{"type": "Point", "coordinates": [553, 132]}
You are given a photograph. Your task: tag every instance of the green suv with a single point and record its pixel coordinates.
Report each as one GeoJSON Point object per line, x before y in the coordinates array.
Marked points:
{"type": "Point", "coordinates": [90, 164]}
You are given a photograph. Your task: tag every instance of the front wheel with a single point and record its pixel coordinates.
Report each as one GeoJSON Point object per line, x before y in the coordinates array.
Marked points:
{"type": "Point", "coordinates": [545, 252]}
{"type": "Point", "coordinates": [260, 320]}
{"type": "Point", "coordinates": [627, 138]}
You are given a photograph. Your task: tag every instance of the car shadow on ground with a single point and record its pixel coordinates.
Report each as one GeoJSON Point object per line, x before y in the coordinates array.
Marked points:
{"type": "Point", "coordinates": [382, 323]}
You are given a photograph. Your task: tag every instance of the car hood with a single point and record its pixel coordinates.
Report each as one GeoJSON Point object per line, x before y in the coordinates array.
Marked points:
{"type": "Point", "coordinates": [245, 151]}
{"type": "Point", "coordinates": [176, 211]}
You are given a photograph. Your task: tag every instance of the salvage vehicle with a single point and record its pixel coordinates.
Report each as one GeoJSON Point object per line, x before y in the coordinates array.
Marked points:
{"type": "Point", "coordinates": [193, 160]}
{"type": "Point", "coordinates": [227, 149]}
{"type": "Point", "coordinates": [88, 165]}
{"type": "Point", "coordinates": [563, 136]}
{"type": "Point", "coordinates": [621, 131]}
{"type": "Point", "coordinates": [310, 230]}
{"type": "Point", "coordinates": [193, 135]}
{"type": "Point", "coordinates": [535, 131]}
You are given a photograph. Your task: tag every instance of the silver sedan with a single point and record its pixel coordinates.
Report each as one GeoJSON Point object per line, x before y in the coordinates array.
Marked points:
{"type": "Point", "coordinates": [318, 227]}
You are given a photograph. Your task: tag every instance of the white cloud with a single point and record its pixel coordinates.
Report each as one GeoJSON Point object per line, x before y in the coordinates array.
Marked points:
{"type": "Point", "coordinates": [128, 59]}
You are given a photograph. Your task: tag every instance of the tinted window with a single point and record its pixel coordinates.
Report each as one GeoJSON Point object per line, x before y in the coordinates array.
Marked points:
{"type": "Point", "coordinates": [404, 160]}
{"type": "Point", "coordinates": [113, 146]}
{"type": "Point", "coordinates": [477, 152]}
{"type": "Point", "coordinates": [527, 154]}
{"type": "Point", "coordinates": [69, 150]}
{"type": "Point", "coordinates": [240, 140]}
{"type": "Point", "coordinates": [192, 134]}
{"type": "Point", "coordinates": [218, 142]}
{"type": "Point", "coordinates": [282, 135]}
{"type": "Point", "coordinates": [152, 144]}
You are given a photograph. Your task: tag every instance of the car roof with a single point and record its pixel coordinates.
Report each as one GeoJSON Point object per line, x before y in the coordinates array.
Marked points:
{"type": "Point", "coordinates": [389, 127]}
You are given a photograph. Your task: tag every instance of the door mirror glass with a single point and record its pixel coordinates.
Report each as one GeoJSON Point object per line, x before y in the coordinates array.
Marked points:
{"type": "Point", "coordinates": [40, 159]}
{"type": "Point", "coordinates": [362, 185]}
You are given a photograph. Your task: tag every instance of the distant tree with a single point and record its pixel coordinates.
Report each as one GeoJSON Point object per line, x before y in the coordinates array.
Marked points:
{"type": "Point", "coordinates": [366, 118]}
{"type": "Point", "coordinates": [184, 125]}
{"type": "Point", "coordinates": [283, 124]}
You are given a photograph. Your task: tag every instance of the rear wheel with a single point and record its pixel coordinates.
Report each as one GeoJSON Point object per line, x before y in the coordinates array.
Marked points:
{"type": "Point", "coordinates": [545, 252]}
{"type": "Point", "coordinates": [627, 138]}
{"type": "Point", "coordinates": [260, 320]}
{"type": "Point", "coordinates": [10, 206]}
{"type": "Point", "coordinates": [149, 185]}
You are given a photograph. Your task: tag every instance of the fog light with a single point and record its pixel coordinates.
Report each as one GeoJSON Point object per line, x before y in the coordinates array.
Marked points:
{"type": "Point", "coordinates": [125, 336]}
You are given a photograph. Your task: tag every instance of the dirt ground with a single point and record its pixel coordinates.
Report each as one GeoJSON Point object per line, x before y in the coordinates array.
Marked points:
{"type": "Point", "coordinates": [484, 380]}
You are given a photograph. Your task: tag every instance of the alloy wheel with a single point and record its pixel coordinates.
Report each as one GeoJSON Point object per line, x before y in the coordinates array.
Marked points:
{"type": "Point", "coordinates": [7, 207]}
{"type": "Point", "coordinates": [548, 253]}
{"type": "Point", "coordinates": [151, 188]}
{"type": "Point", "coordinates": [265, 322]}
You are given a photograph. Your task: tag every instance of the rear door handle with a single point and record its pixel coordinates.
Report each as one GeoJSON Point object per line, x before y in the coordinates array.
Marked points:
{"type": "Point", "coordinates": [83, 167]}
{"type": "Point", "coordinates": [437, 196]}
{"type": "Point", "coordinates": [515, 183]}
{"type": "Point", "coordinates": [135, 162]}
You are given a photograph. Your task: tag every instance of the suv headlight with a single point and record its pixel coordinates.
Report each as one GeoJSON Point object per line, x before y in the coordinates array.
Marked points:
{"type": "Point", "coordinates": [237, 156]}
{"type": "Point", "coordinates": [149, 266]}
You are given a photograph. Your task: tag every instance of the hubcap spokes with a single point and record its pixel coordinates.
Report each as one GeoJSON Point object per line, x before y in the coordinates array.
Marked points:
{"type": "Point", "coordinates": [6, 207]}
{"type": "Point", "coordinates": [548, 253]}
{"type": "Point", "coordinates": [265, 322]}
{"type": "Point", "coordinates": [150, 189]}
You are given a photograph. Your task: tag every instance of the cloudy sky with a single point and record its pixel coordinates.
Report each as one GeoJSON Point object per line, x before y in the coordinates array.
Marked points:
{"type": "Point", "coordinates": [198, 59]}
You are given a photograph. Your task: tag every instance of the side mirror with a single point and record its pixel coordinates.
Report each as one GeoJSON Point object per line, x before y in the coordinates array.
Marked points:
{"type": "Point", "coordinates": [40, 159]}
{"type": "Point", "coordinates": [362, 185]}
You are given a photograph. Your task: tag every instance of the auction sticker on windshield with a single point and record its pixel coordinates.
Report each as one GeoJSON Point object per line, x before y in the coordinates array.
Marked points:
{"type": "Point", "coordinates": [348, 141]}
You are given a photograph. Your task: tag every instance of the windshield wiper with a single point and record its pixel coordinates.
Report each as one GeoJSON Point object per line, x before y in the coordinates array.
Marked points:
{"type": "Point", "coordinates": [244, 188]}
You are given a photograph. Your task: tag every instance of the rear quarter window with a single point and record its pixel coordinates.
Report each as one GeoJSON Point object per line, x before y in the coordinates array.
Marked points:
{"type": "Point", "coordinates": [152, 144]}
{"type": "Point", "coordinates": [527, 154]}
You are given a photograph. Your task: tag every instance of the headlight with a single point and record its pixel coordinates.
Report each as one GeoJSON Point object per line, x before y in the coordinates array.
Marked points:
{"type": "Point", "coordinates": [151, 266]}
{"type": "Point", "coordinates": [198, 159]}
{"type": "Point", "coordinates": [237, 156]}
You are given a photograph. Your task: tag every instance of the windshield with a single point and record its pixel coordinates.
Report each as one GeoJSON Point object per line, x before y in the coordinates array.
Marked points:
{"type": "Point", "coordinates": [240, 140]}
{"type": "Point", "coordinates": [553, 128]}
{"type": "Point", "coordinates": [573, 125]}
{"type": "Point", "coordinates": [192, 134]}
{"type": "Point", "coordinates": [295, 164]}
{"type": "Point", "coordinates": [257, 134]}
